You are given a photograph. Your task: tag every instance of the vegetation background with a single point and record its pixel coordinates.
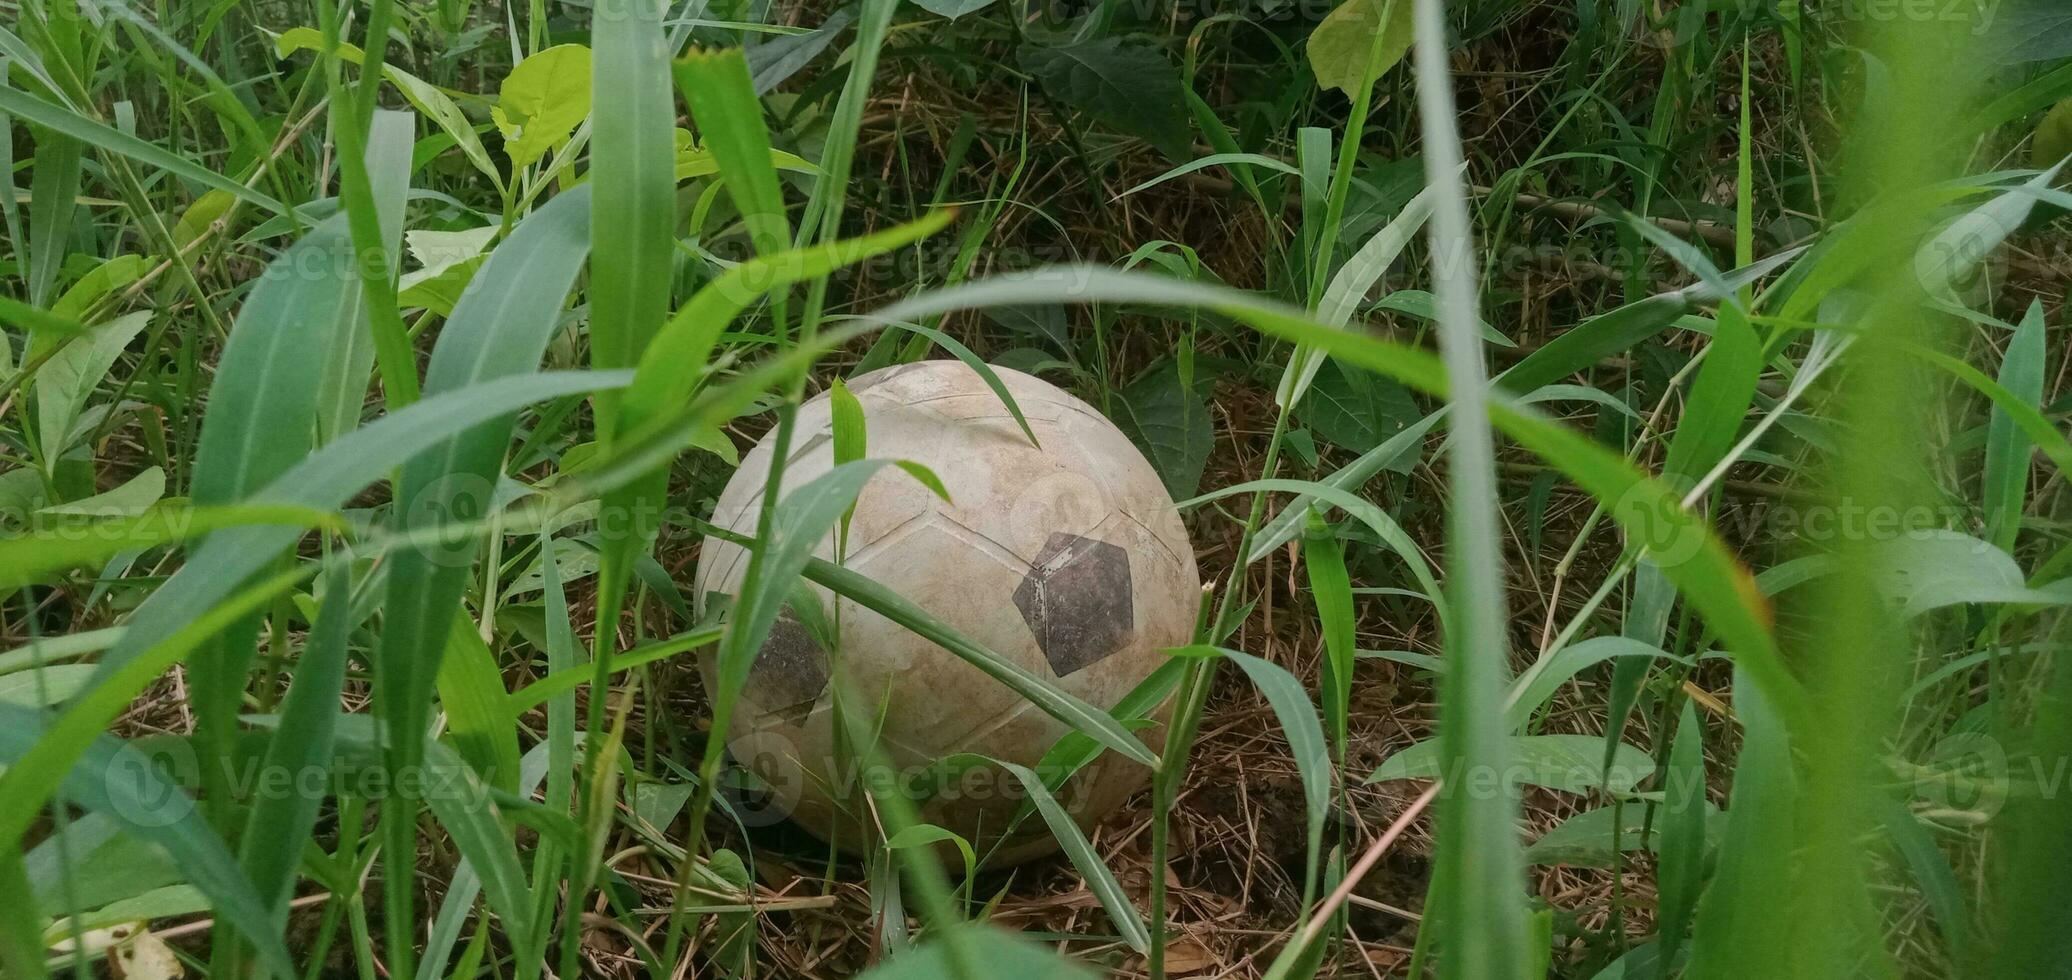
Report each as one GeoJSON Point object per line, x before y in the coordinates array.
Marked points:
{"type": "Point", "coordinates": [1626, 439]}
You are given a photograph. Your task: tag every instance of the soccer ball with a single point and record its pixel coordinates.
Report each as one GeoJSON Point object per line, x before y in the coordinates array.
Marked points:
{"type": "Point", "coordinates": [1068, 559]}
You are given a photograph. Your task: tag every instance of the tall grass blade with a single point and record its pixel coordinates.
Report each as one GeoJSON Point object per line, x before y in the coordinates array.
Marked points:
{"type": "Point", "coordinates": [1592, 340]}
{"type": "Point", "coordinates": [341, 393]}
{"type": "Point", "coordinates": [805, 517]}
{"type": "Point", "coordinates": [1706, 572]}
{"type": "Point", "coordinates": [2031, 940]}
{"type": "Point", "coordinates": [632, 171]}
{"type": "Point", "coordinates": [1099, 879]}
{"type": "Point", "coordinates": [1298, 720]}
{"type": "Point", "coordinates": [1742, 914]}
{"type": "Point", "coordinates": [53, 195]}
{"type": "Point", "coordinates": [2004, 481]}
{"type": "Point", "coordinates": [279, 823]}
{"type": "Point", "coordinates": [1323, 558]}
{"type": "Point", "coordinates": [479, 721]}
{"type": "Point", "coordinates": [324, 481]}
{"type": "Point", "coordinates": [70, 124]}
{"type": "Point", "coordinates": [1075, 713]}
{"type": "Point", "coordinates": [1681, 873]}
{"type": "Point", "coordinates": [730, 121]}
{"type": "Point", "coordinates": [498, 330]}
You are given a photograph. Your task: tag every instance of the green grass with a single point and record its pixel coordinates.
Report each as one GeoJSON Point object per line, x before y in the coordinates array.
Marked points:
{"type": "Point", "coordinates": [1684, 601]}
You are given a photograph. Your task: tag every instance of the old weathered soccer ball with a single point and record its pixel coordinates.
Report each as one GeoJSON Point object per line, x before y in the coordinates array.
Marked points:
{"type": "Point", "coordinates": [1069, 559]}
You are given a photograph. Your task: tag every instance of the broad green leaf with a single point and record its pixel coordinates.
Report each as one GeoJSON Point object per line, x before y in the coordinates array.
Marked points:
{"type": "Point", "coordinates": [1569, 763]}
{"type": "Point", "coordinates": [1580, 393]}
{"type": "Point", "coordinates": [426, 98]}
{"type": "Point", "coordinates": [1128, 84]}
{"type": "Point", "coordinates": [1926, 570]}
{"type": "Point", "coordinates": [135, 496]}
{"type": "Point", "coordinates": [776, 59]}
{"type": "Point", "coordinates": [1169, 421]}
{"type": "Point", "coordinates": [80, 297]}
{"type": "Point", "coordinates": [1420, 304]}
{"type": "Point", "coordinates": [633, 238]}
{"type": "Point", "coordinates": [44, 686]}
{"type": "Point", "coordinates": [1355, 410]}
{"type": "Point", "coordinates": [1588, 839]}
{"type": "Point", "coordinates": [693, 160]}
{"type": "Point", "coordinates": [204, 212]}
{"type": "Point", "coordinates": [40, 321]}
{"type": "Point", "coordinates": [734, 930]}
{"type": "Point", "coordinates": [1042, 322]}
{"type": "Point", "coordinates": [2036, 30]}
{"type": "Point", "coordinates": [90, 863]}
{"type": "Point", "coordinates": [2030, 939]}
{"type": "Point", "coordinates": [977, 950]}
{"type": "Point", "coordinates": [545, 96]}
{"type": "Point", "coordinates": [1540, 682]}
{"type": "Point", "coordinates": [730, 122]}
{"type": "Point", "coordinates": [953, 9]}
{"type": "Point", "coordinates": [1339, 47]}
{"type": "Point", "coordinates": [851, 443]}
{"type": "Point", "coordinates": [1948, 264]}
{"type": "Point", "coordinates": [2053, 140]}
{"type": "Point", "coordinates": [1718, 399]}
{"type": "Point", "coordinates": [927, 835]}
{"type": "Point", "coordinates": [478, 717]}
{"type": "Point", "coordinates": [69, 378]}
{"type": "Point", "coordinates": [261, 418]}
{"type": "Point", "coordinates": [447, 263]}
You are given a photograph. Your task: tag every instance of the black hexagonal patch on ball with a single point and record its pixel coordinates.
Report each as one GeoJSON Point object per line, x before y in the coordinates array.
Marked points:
{"type": "Point", "coordinates": [1077, 601]}
{"type": "Point", "coordinates": [790, 670]}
